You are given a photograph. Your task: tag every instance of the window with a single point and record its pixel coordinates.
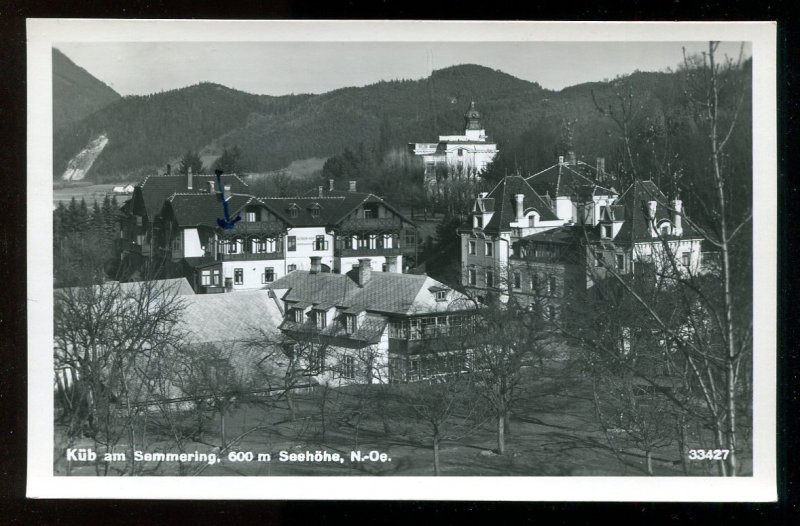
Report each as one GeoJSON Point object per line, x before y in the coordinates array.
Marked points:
{"type": "Point", "coordinates": [293, 212]}
{"type": "Point", "coordinates": [370, 212]}
{"type": "Point", "coordinates": [473, 248]}
{"type": "Point", "coordinates": [295, 315]}
{"type": "Point", "coordinates": [602, 211]}
{"type": "Point", "coordinates": [268, 276]}
{"type": "Point", "coordinates": [321, 319]}
{"type": "Point", "coordinates": [532, 220]}
{"type": "Point", "coordinates": [534, 282]}
{"type": "Point", "coordinates": [373, 243]}
{"type": "Point", "coordinates": [490, 278]}
{"type": "Point", "coordinates": [347, 367]}
{"type": "Point", "coordinates": [388, 241]}
{"type": "Point", "coordinates": [250, 217]}
{"type": "Point", "coordinates": [410, 238]}
{"type": "Point", "coordinates": [441, 295]}
{"type": "Point", "coordinates": [140, 239]}
{"type": "Point", "coordinates": [291, 268]}
{"type": "Point", "coordinates": [209, 278]}
{"type": "Point", "coordinates": [177, 243]}
{"type": "Point", "coordinates": [551, 286]}
{"type": "Point", "coordinates": [478, 222]}
{"type": "Point", "coordinates": [598, 259]}
{"type": "Point", "coordinates": [315, 212]}
{"type": "Point", "coordinates": [665, 228]}
{"type": "Point", "coordinates": [350, 323]}
{"type": "Point", "coordinates": [489, 248]}
{"type": "Point", "coordinates": [292, 242]}
{"type": "Point", "coordinates": [320, 243]}
{"type": "Point", "coordinates": [461, 152]}
{"type": "Point", "coordinates": [473, 276]}
{"type": "Point", "coordinates": [605, 231]}
{"type": "Point", "coordinates": [238, 276]}
{"type": "Point", "coordinates": [686, 259]}
{"type": "Point", "coordinates": [233, 246]}
{"type": "Point", "coordinates": [316, 360]}
{"type": "Point", "coordinates": [620, 262]}
{"type": "Point", "coordinates": [429, 167]}
{"type": "Point", "coordinates": [138, 220]}
{"type": "Point", "coordinates": [517, 280]}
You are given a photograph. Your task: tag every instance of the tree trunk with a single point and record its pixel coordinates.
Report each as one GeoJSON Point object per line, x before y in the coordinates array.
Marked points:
{"type": "Point", "coordinates": [507, 422]}
{"type": "Point", "coordinates": [501, 435]}
{"type": "Point", "coordinates": [436, 470]}
{"type": "Point", "coordinates": [222, 428]}
{"type": "Point", "coordinates": [649, 457]}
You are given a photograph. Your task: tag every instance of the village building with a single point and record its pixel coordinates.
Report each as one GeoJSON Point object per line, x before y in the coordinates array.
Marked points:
{"type": "Point", "coordinates": [545, 239]}
{"type": "Point", "coordinates": [273, 237]}
{"type": "Point", "coordinates": [464, 155]}
{"type": "Point", "coordinates": [368, 326]}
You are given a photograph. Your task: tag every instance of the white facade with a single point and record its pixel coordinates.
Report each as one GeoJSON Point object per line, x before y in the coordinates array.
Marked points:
{"type": "Point", "coordinates": [307, 242]}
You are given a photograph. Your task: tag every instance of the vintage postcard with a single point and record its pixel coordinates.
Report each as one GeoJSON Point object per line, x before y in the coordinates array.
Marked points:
{"type": "Point", "coordinates": [402, 260]}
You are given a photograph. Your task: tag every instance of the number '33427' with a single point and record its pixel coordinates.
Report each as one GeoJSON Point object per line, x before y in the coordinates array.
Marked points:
{"type": "Point", "coordinates": [709, 454]}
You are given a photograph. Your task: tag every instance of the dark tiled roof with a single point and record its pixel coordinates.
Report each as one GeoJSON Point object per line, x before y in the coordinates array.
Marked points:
{"type": "Point", "coordinates": [637, 226]}
{"type": "Point", "coordinates": [155, 189]}
{"type": "Point", "coordinates": [503, 195]}
{"type": "Point", "coordinates": [385, 292]}
{"type": "Point", "coordinates": [203, 209]}
{"type": "Point", "coordinates": [562, 235]}
{"type": "Point", "coordinates": [568, 180]}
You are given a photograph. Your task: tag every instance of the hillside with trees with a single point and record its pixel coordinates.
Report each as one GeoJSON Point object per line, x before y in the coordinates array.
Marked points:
{"type": "Point", "coordinates": [76, 93]}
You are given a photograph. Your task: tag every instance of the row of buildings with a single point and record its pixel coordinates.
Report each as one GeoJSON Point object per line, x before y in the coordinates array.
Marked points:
{"type": "Point", "coordinates": [335, 261]}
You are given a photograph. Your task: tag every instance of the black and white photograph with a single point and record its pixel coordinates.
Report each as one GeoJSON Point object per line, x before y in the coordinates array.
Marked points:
{"type": "Point", "coordinates": [428, 259]}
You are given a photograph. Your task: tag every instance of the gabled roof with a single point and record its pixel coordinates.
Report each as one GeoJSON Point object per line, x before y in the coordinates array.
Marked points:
{"type": "Point", "coordinates": [636, 227]}
{"type": "Point", "coordinates": [504, 203]}
{"type": "Point", "coordinates": [155, 189]}
{"type": "Point", "coordinates": [562, 235]}
{"type": "Point", "coordinates": [191, 210]}
{"type": "Point", "coordinates": [385, 292]}
{"type": "Point", "coordinates": [333, 208]}
{"type": "Point", "coordinates": [569, 180]}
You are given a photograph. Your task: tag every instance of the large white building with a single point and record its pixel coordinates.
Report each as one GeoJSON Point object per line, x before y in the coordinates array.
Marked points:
{"type": "Point", "coordinates": [457, 155]}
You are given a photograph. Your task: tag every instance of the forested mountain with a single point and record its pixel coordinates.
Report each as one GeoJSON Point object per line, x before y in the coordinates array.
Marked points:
{"type": "Point", "coordinates": [76, 93]}
{"type": "Point", "coordinates": [531, 125]}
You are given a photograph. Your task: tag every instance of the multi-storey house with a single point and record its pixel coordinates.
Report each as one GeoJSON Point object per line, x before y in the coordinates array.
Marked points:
{"type": "Point", "coordinates": [140, 222]}
{"type": "Point", "coordinates": [368, 326]}
{"type": "Point", "coordinates": [274, 237]}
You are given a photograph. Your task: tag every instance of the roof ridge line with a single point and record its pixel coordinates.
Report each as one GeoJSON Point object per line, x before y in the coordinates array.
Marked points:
{"type": "Point", "coordinates": [540, 172]}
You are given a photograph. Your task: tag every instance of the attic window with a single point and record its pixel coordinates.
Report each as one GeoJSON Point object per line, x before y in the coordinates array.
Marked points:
{"type": "Point", "coordinates": [350, 323]}
{"type": "Point", "coordinates": [292, 210]}
{"type": "Point", "coordinates": [665, 228]}
{"type": "Point", "coordinates": [314, 209]}
{"type": "Point", "coordinates": [605, 231]}
{"type": "Point", "coordinates": [441, 295]}
{"type": "Point", "coordinates": [478, 221]}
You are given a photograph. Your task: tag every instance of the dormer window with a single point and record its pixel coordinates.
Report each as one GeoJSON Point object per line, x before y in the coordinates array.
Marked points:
{"type": "Point", "coordinates": [370, 211]}
{"type": "Point", "coordinates": [250, 217]}
{"type": "Point", "coordinates": [605, 231]}
{"type": "Point", "coordinates": [350, 323]}
{"type": "Point", "coordinates": [665, 228]}
{"type": "Point", "coordinates": [478, 223]}
{"type": "Point", "coordinates": [314, 209]}
{"type": "Point", "coordinates": [441, 295]}
{"type": "Point", "coordinates": [295, 315]}
{"type": "Point", "coordinates": [292, 210]}
{"type": "Point", "coordinates": [321, 319]}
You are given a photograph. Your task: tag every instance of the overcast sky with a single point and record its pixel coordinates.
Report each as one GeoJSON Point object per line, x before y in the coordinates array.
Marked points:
{"type": "Point", "coordinates": [279, 68]}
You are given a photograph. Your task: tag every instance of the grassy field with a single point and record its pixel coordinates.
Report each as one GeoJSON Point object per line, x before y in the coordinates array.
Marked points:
{"type": "Point", "coordinates": [88, 191]}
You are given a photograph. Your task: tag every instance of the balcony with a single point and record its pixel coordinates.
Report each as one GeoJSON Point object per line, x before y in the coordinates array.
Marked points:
{"type": "Point", "coordinates": [268, 228]}
{"type": "Point", "coordinates": [371, 225]}
{"type": "Point", "coordinates": [250, 256]}
{"type": "Point", "coordinates": [365, 252]}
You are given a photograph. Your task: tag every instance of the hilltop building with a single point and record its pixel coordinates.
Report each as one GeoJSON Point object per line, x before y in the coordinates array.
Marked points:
{"type": "Point", "coordinates": [464, 155]}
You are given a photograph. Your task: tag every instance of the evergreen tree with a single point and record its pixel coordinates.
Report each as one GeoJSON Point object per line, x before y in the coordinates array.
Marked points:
{"type": "Point", "coordinates": [230, 161]}
{"type": "Point", "coordinates": [191, 160]}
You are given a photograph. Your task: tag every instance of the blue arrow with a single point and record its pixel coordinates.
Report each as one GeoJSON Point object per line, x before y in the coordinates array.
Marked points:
{"type": "Point", "coordinates": [226, 223]}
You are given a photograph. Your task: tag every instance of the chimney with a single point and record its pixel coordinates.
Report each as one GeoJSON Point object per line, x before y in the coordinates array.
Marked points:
{"type": "Point", "coordinates": [560, 159]}
{"type": "Point", "coordinates": [601, 169]}
{"type": "Point", "coordinates": [319, 191]}
{"type": "Point", "coordinates": [228, 284]}
{"type": "Point", "coordinates": [330, 185]}
{"type": "Point", "coordinates": [677, 206]}
{"type": "Point", "coordinates": [572, 160]}
{"type": "Point", "coordinates": [210, 187]}
{"type": "Point", "coordinates": [651, 217]}
{"type": "Point", "coordinates": [519, 208]}
{"type": "Point", "coordinates": [316, 265]}
{"type": "Point", "coordinates": [169, 169]}
{"type": "Point", "coordinates": [352, 186]}
{"type": "Point", "coordinates": [391, 264]}
{"type": "Point", "coordinates": [189, 179]}
{"type": "Point", "coordinates": [227, 188]}
{"type": "Point", "coordinates": [364, 271]}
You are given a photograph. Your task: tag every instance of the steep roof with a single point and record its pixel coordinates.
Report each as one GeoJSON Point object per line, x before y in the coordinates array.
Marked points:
{"type": "Point", "coordinates": [637, 225]}
{"type": "Point", "coordinates": [177, 286]}
{"type": "Point", "coordinates": [385, 292]}
{"type": "Point", "coordinates": [504, 204]}
{"type": "Point", "coordinates": [562, 179]}
{"type": "Point", "coordinates": [155, 189]}
{"type": "Point", "coordinates": [203, 209]}
{"type": "Point", "coordinates": [333, 207]}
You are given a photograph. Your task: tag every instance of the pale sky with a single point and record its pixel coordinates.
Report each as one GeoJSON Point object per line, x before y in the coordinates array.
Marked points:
{"type": "Point", "coordinates": [280, 68]}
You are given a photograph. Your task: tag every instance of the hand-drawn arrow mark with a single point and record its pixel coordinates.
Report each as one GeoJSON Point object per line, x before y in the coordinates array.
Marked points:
{"type": "Point", "coordinates": [226, 223]}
